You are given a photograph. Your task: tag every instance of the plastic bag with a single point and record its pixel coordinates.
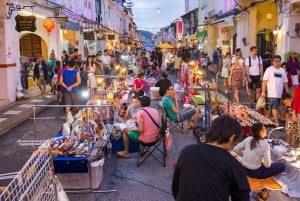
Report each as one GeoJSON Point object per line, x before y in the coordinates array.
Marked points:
{"type": "Point", "coordinates": [168, 141]}
{"type": "Point", "coordinates": [260, 103]}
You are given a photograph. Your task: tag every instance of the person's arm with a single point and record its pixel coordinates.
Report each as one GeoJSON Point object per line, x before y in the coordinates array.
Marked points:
{"type": "Point", "coordinates": [286, 87]}
{"type": "Point", "coordinates": [240, 146]}
{"type": "Point", "coordinates": [175, 107]}
{"type": "Point", "coordinates": [261, 71]}
{"type": "Point", "coordinates": [263, 88]}
{"type": "Point", "coordinates": [127, 114]}
{"type": "Point", "coordinates": [61, 81]}
{"type": "Point", "coordinates": [266, 156]}
{"type": "Point", "coordinates": [247, 73]}
{"type": "Point", "coordinates": [140, 122]}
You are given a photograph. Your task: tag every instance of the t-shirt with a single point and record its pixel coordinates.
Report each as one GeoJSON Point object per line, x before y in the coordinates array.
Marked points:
{"type": "Point", "coordinates": [150, 129]}
{"type": "Point", "coordinates": [275, 78]}
{"type": "Point", "coordinates": [133, 111]}
{"type": "Point", "coordinates": [105, 59]}
{"type": "Point", "coordinates": [253, 159]}
{"type": "Point", "coordinates": [69, 78]}
{"type": "Point", "coordinates": [168, 104]}
{"type": "Point", "coordinates": [162, 83]}
{"type": "Point", "coordinates": [139, 83]}
{"type": "Point", "coordinates": [209, 173]}
{"type": "Point", "coordinates": [255, 63]}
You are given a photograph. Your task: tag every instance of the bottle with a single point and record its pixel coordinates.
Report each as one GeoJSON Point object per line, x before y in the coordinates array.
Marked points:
{"type": "Point", "coordinates": [109, 149]}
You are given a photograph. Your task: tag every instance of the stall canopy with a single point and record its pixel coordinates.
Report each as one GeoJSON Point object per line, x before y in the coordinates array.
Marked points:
{"type": "Point", "coordinates": [165, 46]}
{"type": "Point", "coordinates": [201, 35]}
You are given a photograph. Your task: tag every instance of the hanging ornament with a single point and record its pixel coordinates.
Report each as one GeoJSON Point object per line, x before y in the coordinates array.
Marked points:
{"type": "Point", "coordinates": [49, 26]}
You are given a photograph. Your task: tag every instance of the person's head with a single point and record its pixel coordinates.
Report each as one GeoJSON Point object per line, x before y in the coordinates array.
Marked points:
{"type": "Point", "coordinates": [224, 131]}
{"type": "Point", "coordinates": [276, 61]}
{"type": "Point", "coordinates": [52, 56]}
{"type": "Point", "coordinates": [136, 101]}
{"type": "Point", "coordinates": [64, 52]}
{"type": "Point", "coordinates": [238, 51]}
{"type": "Point", "coordinates": [268, 51]}
{"type": "Point", "coordinates": [258, 132]}
{"type": "Point", "coordinates": [227, 54]}
{"type": "Point", "coordinates": [285, 66]}
{"type": "Point", "coordinates": [294, 55]}
{"type": "Point", "coordinates": [105, 52]}
{"type": "Point", "coordinates": [253, 51]}
{"type": "Point", "coordinates": [89, 59]}
{"type": "Point", "coordinates": [239, 61]}
{"type": "Point", "coordinates": [286, 99]}
{"type": "Point", "coordinates": [145, 101]}
{"type": "Point", "coordinates": [169, 90]}
{"type": "Point", "coordinates": [164, 75]}
{"type": "Point", "coordinates": [71, 63]}
{"type": "Point", "coordinates": [140, 75]}
{"type": "Point", "coordinates": [79, 57]}
{"type": "Point", "coordinates": [75, 50]}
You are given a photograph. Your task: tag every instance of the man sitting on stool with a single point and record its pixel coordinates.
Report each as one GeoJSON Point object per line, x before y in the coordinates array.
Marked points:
{"type": "Point", "coordinates": [171, 106]}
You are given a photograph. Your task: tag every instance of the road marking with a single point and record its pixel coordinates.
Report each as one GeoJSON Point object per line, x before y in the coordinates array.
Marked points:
{"type": "Point", "coordinates": [26, 105]}
{"type": "Point", "coordinates": [2, 119]}
{"type": "Point", "coordinates": [13, 112]}
{"type": "Point", "coordinates": [36, 100]}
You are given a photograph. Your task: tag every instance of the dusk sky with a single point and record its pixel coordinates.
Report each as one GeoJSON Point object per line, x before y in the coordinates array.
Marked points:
{"type": "Point", "coordinates": [146, 17]}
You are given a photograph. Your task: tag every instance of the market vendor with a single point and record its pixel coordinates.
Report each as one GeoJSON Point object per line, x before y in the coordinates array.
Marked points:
{"type": "Point", "coordinates": [256, 157]}
{"type": "Point", "coordinates": [133, 108]}
{"type": "Point", "coordinates": [138, 85]}
{"type": "Point", "coordinates": [171, 106]}
{"type": "Point", "coordinates": [146, 131]}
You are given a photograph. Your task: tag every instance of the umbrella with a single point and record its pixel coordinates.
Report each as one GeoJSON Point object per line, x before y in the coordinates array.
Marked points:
{"type": "Point", "coordinates": [165, 46]}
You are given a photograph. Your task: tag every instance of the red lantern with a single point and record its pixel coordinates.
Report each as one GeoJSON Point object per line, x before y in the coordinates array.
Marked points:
{"type": "Point", "coordinates": [49, 26]}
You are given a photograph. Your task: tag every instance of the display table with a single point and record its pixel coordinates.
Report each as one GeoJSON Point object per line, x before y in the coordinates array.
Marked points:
{"type": "Point", "coordinates": [290, 179]}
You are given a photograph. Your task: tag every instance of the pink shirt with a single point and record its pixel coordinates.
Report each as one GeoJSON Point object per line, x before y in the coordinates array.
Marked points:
{"type": "Point", "coordinates": [150, 129]}
{"type": "Point", "coordinates": [138, 83]}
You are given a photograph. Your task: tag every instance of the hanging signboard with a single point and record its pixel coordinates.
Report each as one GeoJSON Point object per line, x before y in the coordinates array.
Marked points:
{"type": "Point", "coordinates": [89, 35]}
{"type": "Point", "coordinates": [25, 23]}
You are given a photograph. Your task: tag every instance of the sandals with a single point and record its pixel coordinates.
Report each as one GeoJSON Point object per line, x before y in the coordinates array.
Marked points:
{"type": "Point", "coordinates": [261, 195]}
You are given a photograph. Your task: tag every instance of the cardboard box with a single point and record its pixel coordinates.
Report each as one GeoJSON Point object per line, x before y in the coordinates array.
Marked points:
{"type": "Point", "coordinates": [86, 180]}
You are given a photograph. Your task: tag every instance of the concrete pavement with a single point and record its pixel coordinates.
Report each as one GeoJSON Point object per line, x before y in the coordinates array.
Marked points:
{"type": "Point", "coordinates": [13, 114]}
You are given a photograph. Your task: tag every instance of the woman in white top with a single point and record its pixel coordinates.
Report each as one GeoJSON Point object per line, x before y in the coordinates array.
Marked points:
{"type": "Point", "coordinates": [90, 68]}
{"type": "Point", "coordinates": [256, 157]}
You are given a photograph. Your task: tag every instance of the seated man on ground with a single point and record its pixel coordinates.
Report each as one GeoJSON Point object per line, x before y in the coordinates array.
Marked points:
{"type": "Point", "coordinates": [146, 131]}
{"type": "Point", "coordinates": [171, 106]}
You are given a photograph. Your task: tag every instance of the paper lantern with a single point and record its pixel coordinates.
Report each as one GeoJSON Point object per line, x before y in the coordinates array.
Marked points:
{"type": "Point", "coordinates": [49, 26]}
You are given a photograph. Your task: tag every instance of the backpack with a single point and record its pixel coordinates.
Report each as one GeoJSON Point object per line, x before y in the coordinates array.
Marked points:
{"type": "Point", "coordinates": [250, 60]}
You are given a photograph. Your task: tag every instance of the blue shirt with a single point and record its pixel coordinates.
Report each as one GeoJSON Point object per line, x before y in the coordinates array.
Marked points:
{"type": "Point", "coordinates": [69, 78]}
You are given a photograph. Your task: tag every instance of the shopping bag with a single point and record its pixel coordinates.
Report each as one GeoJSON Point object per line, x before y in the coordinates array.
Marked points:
{"type": "Point", "coordinates": [260, 103]}
{"type": "Point", "coordinates": [168, 141]}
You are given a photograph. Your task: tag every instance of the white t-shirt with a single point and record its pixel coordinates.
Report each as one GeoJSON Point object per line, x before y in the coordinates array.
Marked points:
{"type": "Point", "coordinates": [105, 59]}
{"type": "Point", "coordinates": [275, 77]}
{"type": "Point", "coordinates": [254, 68]}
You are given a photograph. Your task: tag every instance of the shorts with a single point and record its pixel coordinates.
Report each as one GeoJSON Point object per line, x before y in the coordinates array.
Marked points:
{"type": "Point", "coordinates": [71, 98]}
{"type": "Point", "coordinates": [255, 80]}
{"type": "Point", "coordinates": [134, 135]}
{"type": "Point", "coordinates": [186, 113]}
{"type": "Point", "coordinates": [295, 80]}
{"type": "Point", "coordinates": [274, 103]}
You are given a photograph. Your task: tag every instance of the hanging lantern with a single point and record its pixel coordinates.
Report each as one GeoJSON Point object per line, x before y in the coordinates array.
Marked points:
{"type": "Point", "coordinates": [269, 16]}
{"type": "Point", "coordinates": [49, 26]}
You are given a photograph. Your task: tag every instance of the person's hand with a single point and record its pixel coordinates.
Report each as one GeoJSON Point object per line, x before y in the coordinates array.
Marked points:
{"type": "Point", "coordinates": [261, 78]}
{"type": "Point", "coordinates": [263, 94]}
{"type": "Point", "coordinates": [294, 117]}
{"type": "Point", "coordinates": [249, 80]}
{"type": "Point", "coordinates": [69, 89]}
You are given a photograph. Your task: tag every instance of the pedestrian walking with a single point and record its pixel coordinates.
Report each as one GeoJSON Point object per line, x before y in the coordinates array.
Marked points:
{"type": "Point", "coordinates": [225, 71]}
{"type": "Point", "coordinates": [236, 78]}
{"type": "Point", "coordinates": [294, 67]}
{"type": "Point", "coordinates": [274, 80]}
{"type": "Point", "coordinates": [254, 71]}
{"type": "Point", "coordinates": [208, 172]}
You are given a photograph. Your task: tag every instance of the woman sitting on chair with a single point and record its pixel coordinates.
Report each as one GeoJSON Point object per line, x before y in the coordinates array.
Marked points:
{"type": "Point", "coordinates": [256, 157]}
{"type": "Point", "coordinates": [146, 131]}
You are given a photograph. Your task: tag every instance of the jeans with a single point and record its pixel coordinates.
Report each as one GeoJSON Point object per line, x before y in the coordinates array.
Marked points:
{"type": "Point", "coordinates": [263, 172]}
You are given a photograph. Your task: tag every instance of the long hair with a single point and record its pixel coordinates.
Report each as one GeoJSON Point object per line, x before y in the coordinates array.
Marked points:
{"type": "Point", "coordinates": [87, 60]}
{"type": "Point", "coordinates": [256, 128]}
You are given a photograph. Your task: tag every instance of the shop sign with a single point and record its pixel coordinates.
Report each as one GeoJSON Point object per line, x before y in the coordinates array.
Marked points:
{"type": "Point", "coordinates": [70, 26]}
{"type": "Point", "coordinates": [89, 35]}
{"type": "Point", "coordinates": [225, 42]}
{"type": "Point", "coordinates": [25, 23]}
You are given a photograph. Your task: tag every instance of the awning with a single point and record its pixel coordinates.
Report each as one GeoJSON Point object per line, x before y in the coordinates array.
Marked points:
{"type": "Point", "coordinates": [227, 20]}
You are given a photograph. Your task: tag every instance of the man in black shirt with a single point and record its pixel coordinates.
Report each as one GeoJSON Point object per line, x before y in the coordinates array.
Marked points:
{"type": "Point", "coordinates": [162, 83]}
{"type": "Point", "coordinates": [208, 172]}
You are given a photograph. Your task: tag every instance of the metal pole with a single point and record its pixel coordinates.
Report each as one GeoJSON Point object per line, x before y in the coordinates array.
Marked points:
{"type": "Point", "coordinates": [34, 122]}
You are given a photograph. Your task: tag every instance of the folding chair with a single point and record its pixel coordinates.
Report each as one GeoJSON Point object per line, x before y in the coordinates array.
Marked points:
{"type": "Point", "coordinates": [174, 125]}
{"type": "Point", "coordinates": [150, 148]}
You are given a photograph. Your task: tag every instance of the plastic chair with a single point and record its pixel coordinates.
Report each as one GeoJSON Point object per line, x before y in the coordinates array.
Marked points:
{"type": "Point", "coordinates": [149, 149]}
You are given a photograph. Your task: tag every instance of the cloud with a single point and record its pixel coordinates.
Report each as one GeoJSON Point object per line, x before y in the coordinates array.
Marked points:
{"type": "Point", "coordinates": [146, 17]}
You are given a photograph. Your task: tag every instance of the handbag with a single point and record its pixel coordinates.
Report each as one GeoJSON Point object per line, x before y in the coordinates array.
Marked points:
{"type": "Point", "coordinates": [161, 132]}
